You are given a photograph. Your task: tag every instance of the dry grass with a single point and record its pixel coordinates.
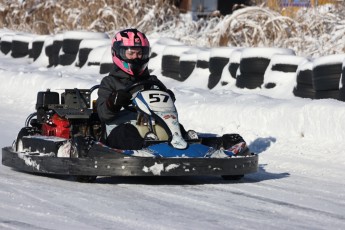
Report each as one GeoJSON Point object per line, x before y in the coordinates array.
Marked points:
{"type": "Point", "coordinates": [51, 17]}
{"type": "Point", "coordinates": [310, 32]}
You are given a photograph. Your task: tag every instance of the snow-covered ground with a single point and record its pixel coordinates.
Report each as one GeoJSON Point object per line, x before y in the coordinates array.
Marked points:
{"type": "Point", "coordinates": [300, 183]}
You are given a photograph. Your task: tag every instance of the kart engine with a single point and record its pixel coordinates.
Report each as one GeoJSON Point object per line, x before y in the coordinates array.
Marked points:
{"type": "Point", "coordinates": [73, 116]}
{"type": "Point", "coordinates": [56, 126]}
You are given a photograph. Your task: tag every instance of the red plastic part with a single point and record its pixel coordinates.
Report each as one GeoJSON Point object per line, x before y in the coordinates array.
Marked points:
{"type": "Point", "coordinates": [57, 126]}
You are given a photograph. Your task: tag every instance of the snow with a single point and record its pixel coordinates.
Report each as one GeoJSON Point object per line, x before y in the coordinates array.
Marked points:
{"type": "Point", "coordinates": [300, 183]}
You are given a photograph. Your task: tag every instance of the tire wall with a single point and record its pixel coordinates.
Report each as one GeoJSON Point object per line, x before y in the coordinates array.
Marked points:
{"type": "Point", "coordinates": [317, 78]}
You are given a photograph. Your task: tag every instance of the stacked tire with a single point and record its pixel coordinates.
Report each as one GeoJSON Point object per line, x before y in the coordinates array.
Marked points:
{"type": "Point", "coordinates": [304, 80]}
{"type": "Point", "coordinates": [94, 59]}
{"type": "Point", "coordinates": [53, 50]}
{"type": "Point", "coordinates": [37, 46]}
{"type": "Point", "coordinates": [106, 63]}
{"type": "Point", "coordinates": [253, 65]}
{"type": "Point", "coordinates": [234, 62]}
{"type": "Point", "coordinates": [203, 59]}
{"type": "Point", "coordinates": [70, 44]}
{"type": "Point", "coordinates": [21, 45]}
{"type": "Point", "coordinates": [188, 62]}
{"type": "Point", "coordinates": [171, 61]}
{"type": "Point", "coordinates": [6, 43]}
{"type": "Point", "coordinates": [342, 84]}
{"type": "Point", "coordinates": [327, 72]}
{"type": "Point", "coordinates": [219, 58]}
{"type": "Point", "coordinates": [86, 46]}
{"type": "Point", "coordinates": [280, 76]}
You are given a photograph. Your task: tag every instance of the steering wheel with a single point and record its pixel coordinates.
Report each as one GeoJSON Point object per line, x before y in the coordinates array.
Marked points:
{"type": "Point", "coordinates": [146, 83]}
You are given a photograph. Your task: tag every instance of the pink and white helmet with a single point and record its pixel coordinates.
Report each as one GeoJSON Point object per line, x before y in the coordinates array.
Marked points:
{"type": "Point", "coordinates": [127, 39]}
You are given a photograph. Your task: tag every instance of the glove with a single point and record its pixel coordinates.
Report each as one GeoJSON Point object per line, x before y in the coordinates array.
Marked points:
{"type": "Point", "coordinates": [118, 99]}
{"type": "Point", "coordinates": [172, 95]}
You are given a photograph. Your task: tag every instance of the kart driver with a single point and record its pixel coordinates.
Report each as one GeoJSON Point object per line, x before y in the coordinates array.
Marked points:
{"type": "Point", "coordinates": [130, 54]}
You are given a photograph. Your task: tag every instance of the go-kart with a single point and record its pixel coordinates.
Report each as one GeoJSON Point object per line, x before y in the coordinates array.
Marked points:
{"type": "Point", "coordinates": [66, 137]}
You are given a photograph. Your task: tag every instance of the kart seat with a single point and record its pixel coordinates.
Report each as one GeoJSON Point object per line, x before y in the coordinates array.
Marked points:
{"type": "Point", "coordinates": [158, 130]}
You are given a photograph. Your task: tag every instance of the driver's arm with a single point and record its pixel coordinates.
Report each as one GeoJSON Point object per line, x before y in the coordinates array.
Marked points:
{"type": "Point", "coordinates": [109, 100]}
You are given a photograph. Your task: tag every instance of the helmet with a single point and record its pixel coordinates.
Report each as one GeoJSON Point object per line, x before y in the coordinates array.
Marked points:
{"type": "Point", "coordinates": [127, 39]}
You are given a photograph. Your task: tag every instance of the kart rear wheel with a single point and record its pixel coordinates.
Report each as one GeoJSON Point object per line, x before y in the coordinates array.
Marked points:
{"type": "Point", "coordinates": [26, 131]}
{"type": "Point", "coordinates": [232, 177]}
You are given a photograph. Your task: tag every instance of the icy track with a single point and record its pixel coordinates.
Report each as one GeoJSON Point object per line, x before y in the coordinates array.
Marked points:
{"type": "Point", "coordinates": [300, 183]}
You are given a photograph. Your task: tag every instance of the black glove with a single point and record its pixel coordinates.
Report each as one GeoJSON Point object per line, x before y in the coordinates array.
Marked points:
{"type": "Point", "coordinates": [172, 95]}
{"type": "Point", "coordinates": [118, 99]}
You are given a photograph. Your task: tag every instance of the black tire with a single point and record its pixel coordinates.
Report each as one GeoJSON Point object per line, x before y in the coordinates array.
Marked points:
{"type": "Point", "coordinates": [342, 94]}
{"type": "Point", "coordinates": [202, 64]}
{"type": "Point", "coordinates": [153, 55]}
{"type": "Point", "coordinates": [270, 85]}
{"type": "Point", "coordinates": [105, 68]}
{"type": "Point", "coordinates": [71, 46]}
{"type": "Point", "coordinates": [213, 80]}
{"type": "Point", "coordinates": [327, 69]}
{"type": "Point", "coordinates": [173, 75]}
{"type": "Point", "coordinates": [170, 63]}
{"type": "Point", "coordinates": [232, 177]}
{"type": "Point", "coordinates": [36, 49]}
{"type": "Point", "coordinates": [67, 59]}
{"type": "Point", "coordinates": [327, 94]}
{"type": "Point", "coordinates": [254, 65]}
{"type": "Point", "coordinates": [26, 131]}
{"type": "Point", "coordinates": [186, 69]}
{"type": "Point", "coordinates": [305, 77]}
{"type": "Point", "coordinates": [19, 49]}
{"type": "Point", "coordinates": [217, 64]}
{"type": "Point", "coordinates": [83, 54]}
{"type": "Point", "coordinates": [326, 82]}
{"type": "Point", "coordinates": [286, 68]}
{"type": "Point", "coordinates": [6, 47]}
{"type": "Point", "coordinates": [249, 80]}
{"type": "Point", "coordinates": [54, 53]}
{"type": "Point", "coordinates": [233, 66]}
{"type": "Point", "coordinates": [304, 91]}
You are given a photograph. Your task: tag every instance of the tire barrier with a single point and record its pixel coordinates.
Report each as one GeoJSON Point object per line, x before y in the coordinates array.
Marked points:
{"type": "Point", "coordinates": [219, 58]}
{"type": "Point", "coordinates": [327, 71]}
{"type": "Point", "coordinates": [54, 49]}
{"type": "Point", "coordinates": [37, 45]}
{"type": "Point", "coordinates": [106, 63]}
{"type": "Point", "coordinates": [304, 80]}
{"type": "Point", "coordinates": [171, 61]}
{"type": "Point", "coordinates": [70, 44]}
{"type": "Point", "coordinates": [6, 43]}
{"type": "Point", "coordinates": [20, 45]}
{"type": "Point", "coordinates": [342, 84]}
{"type": "Point", "coordinates": [85, 48]}
{"type": "Point", "coordinates": [258, 60]}
{"type": "Point", "coordinates": [280, 75]}
{"type": "Point", "coordinates": [157, 52]}
{"type": "Point", "coordinates": [203, 58]}
{"type": "Point", "coordinates": [267, 69]}
{"type": "Point", "coordinates": [234, 62]}
{"type": "Point", "coordinates": [188, 61]}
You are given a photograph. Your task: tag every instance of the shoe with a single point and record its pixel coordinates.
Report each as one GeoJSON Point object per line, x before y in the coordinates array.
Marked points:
{"type": "Point", "coordinates": [192, 135]}
{"type": "Point", "coordinates": [150, 136]}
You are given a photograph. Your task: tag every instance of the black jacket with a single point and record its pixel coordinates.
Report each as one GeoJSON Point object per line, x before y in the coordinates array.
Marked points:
{"type": "Point", "coordinates": [117, 79]}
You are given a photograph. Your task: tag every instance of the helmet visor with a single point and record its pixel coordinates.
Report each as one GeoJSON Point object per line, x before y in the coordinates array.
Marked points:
{"type": "Point", "coordinates": [129, 53]}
